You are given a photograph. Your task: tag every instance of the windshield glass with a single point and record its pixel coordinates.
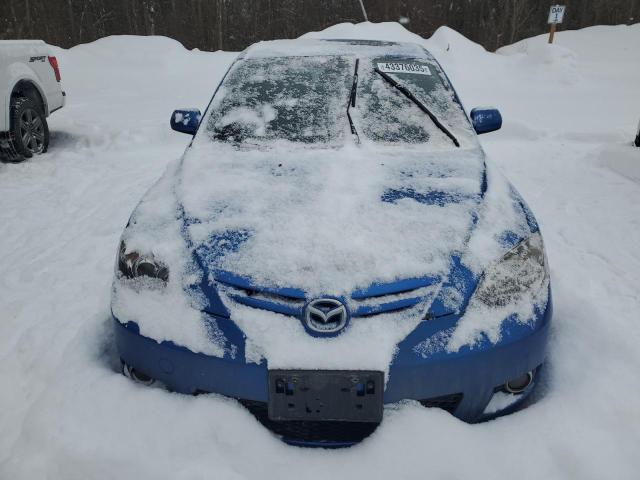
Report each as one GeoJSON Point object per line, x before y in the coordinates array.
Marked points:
{"type": "Point", "coordinates": [386, 115]}
{"type": "Point", "coordinates": [304, 100]}
{"type": "Point", "coordinates": [299, 99]}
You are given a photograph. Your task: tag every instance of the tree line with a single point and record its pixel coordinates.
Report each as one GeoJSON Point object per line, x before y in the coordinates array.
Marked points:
{"type": "Point", "coordinates": [234, 24]}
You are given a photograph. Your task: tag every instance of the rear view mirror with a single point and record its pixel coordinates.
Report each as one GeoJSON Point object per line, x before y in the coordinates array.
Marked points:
{"type": "Point", "coordinates": [186, 120]}
{"type": "Point", "coordinates": [486, 119]}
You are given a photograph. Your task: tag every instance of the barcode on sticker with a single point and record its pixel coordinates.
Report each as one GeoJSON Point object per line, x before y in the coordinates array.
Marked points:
{"type": "Point", "coordinates": [395, 67]}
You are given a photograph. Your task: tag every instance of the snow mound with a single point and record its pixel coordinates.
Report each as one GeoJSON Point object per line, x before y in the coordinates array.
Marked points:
{"type": "Point", "coordinates": [386, 31]}
{"type": "Point", "coordinates": [448, 40]}
{"type": "Point", "coordinates": [559, 61]}
{"type": "Point", "coordinates": [132, 48]}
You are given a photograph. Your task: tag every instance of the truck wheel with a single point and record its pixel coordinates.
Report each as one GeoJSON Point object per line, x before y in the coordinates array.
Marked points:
{"type": "Point", "coordinates": [29, 129]}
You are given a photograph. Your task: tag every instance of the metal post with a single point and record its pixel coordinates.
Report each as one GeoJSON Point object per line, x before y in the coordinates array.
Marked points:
{"type": "Point", "coordinates": [364, 12]}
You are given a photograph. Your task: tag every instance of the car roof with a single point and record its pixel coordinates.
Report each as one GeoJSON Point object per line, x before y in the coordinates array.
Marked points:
{"type": "Point", "coordinates": [350, 47]}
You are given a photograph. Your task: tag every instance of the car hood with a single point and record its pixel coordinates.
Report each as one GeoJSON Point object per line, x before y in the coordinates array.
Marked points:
{"type": "Point", "coordinates": [329, 222]}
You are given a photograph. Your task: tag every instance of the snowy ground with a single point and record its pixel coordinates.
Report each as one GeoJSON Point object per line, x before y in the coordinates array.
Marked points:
{"type": "Point", "coordinates": [570, 111]}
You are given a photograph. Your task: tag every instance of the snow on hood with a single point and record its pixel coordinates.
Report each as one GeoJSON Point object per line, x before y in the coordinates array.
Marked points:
{"type": "Point", "coordinates": [313, 221]}
{"type": "Point", "coordinates": [329, 221]}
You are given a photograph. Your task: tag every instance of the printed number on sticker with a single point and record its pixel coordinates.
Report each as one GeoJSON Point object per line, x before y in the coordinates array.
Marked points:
{"type": "Point", "coordinates": [392, 67]}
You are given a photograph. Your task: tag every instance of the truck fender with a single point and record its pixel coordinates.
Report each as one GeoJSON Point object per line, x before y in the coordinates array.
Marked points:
{"type": "Point", "coordinates": [18, 72]}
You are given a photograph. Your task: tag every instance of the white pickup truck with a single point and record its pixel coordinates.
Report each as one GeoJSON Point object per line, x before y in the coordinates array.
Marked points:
{"type": "Point", "coordinates": [30, 91]}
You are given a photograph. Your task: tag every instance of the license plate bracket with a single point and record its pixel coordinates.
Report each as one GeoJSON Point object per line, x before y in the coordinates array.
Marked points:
{"type": "Point", "coordinates": [326, 395]}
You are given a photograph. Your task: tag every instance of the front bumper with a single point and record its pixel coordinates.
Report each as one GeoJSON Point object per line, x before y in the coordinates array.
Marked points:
{"type": "Point", "coordinates": [472, 375]}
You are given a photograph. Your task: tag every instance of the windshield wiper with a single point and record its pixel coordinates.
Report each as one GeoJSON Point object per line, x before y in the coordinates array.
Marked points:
{"type": "Point", "coordinates": [407, 93]}
{"type": "Point", "coordinates": [352, 101]}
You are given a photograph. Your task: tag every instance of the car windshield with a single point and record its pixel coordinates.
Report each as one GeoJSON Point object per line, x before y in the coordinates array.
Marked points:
{"type": "Point", "coordinates": [304, 100]}
{"type": "Point", "coordinates": [393, 97]}
{"type": "Point", "coordinates": [299, 99]}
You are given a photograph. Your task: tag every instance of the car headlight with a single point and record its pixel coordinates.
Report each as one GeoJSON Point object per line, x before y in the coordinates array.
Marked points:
{"type": "Point", "coordinates": [521, 271]}
{"type": "Point", "coordinates": [134, 264]}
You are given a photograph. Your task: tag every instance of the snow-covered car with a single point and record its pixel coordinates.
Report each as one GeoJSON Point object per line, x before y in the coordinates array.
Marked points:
{"type": "Point", "coordinates": [333, 240]}
{"type": "Point", "coordinates": [31, 91]}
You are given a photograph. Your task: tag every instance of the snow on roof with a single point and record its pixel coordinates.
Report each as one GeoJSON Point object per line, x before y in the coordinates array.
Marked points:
{"type": "Point", "coordinates": [355, 47]}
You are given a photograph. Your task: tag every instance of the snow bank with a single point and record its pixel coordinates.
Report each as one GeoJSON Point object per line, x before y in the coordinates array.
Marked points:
{"type": "Point", "coordinates": [121, 90]}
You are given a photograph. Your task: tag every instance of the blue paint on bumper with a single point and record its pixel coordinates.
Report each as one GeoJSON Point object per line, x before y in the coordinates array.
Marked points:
{"type": "Point", "coordinates": [419, 371]}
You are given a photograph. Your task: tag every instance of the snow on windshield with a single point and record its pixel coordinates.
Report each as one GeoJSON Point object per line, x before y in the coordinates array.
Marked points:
{"type": "Point", "coordinates": [386, 115]}
{"type": "Point", "coordinates": [299, 99]}
{"type": "Point", "coordinates": [303, 99]}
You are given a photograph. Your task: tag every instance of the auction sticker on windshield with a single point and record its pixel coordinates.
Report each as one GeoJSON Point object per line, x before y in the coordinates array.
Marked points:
{"type": "Point", "coordinates": [396, 67]}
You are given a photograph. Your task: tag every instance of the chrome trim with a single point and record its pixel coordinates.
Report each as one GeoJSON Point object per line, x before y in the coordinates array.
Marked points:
{"type": "Point", "coordinates": [314, 311]}
{"type": "Point", "coordinates": [521, 389]}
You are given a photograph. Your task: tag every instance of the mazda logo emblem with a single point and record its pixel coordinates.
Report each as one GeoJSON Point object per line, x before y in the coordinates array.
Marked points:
{"type": "Point", "coordinates": [325, 315]}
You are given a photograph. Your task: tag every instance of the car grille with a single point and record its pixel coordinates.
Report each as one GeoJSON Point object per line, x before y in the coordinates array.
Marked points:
{"type": "Point", "coordinates": [377, 299]}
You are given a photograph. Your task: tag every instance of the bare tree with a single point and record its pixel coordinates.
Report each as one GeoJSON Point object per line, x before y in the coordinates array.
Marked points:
{"type": "Point", "coordinates": [521, 16]}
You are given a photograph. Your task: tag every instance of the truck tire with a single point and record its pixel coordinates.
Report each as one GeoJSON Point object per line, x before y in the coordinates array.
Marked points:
{"type": "Point", "coordinates": [29, 129]}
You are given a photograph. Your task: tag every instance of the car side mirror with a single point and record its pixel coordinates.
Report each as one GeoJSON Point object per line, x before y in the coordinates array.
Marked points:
{"type": "Point", "coordinates": [186, 120]}
{"type": "Point", "coordinates": [486, 119]}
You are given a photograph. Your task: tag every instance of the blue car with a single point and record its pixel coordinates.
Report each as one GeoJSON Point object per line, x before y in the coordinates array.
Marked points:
{"type": "Point", "coordinates": [333, 240]}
